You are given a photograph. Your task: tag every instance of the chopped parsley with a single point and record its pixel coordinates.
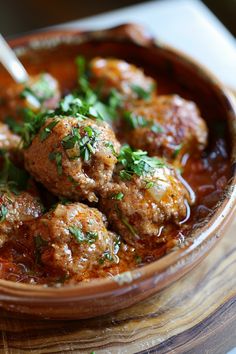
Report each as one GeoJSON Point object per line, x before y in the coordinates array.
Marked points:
{"type": "Point", "coordinates": [88, 237]}
{"type": "Point", "coordinates": [70, 140]}
{"type": "Point", "coordinates": [88, 143]}
{"type": "Point", "coordinates": [14, 126]}
{"type": "Point", "coordinates": [141, 92]}
{"type": "Point", "coordinates": [117, 244]}
{"type": "Point", "coordinates": [12, 178]}
{"type": "Point", "coordinates": [106, 256]}
{"type": "Point", "coordinates": [3, 212]}
{"type": "Point", "coordinates": [156, 128]}
{"type": "Point", "coordinates": [82, 73]}
{"type": "Point", "coordinates": [137, 162]}
{"type": "Point", "coordinates": [137, 121]}
{"type": "Point", "coordinates": [41, 90]}
{"type": "Point", "coordinates": [110, 145]}
{"type": "Point", "coordinates": [177, 151]}
{"type": "Point", "coordinates": [39, 244]}
{"type": "Point", "coordinates": [125, 222]}
{"type": "Point", "coordinates": [138, 259]}
{"type": "Point", "coordinates": [47, 130]}
{"type": "Point", "coordinates": [114, 99]}
{"type": "Point", "coordinates": [149, 184]}
{"type": "Point", "coordinates": [118, 196]}
{"type": "Point", "coordinates": [57, 157]}
{"type": "Point", "coordinates": [32, 124]}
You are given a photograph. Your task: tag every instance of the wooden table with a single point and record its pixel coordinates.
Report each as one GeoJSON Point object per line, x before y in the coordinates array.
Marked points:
{"type": "Point", "coordinates": [197, 314]}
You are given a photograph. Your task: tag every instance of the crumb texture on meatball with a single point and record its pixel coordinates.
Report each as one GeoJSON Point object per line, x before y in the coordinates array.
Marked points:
{"type": "Point", "coordinates": [145, 198]}
{"type": "Point", "coordinates": [74, 240]}
{"type": "Point", "coordinates": [72, 157]}
{"type": "Point", "coordinates": [166, 126]}
{"type": "Point", "coordinates": [117, 74]}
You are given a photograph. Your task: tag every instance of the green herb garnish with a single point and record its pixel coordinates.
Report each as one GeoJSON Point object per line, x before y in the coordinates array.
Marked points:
{"type": "Point", "coordinates": [156, 128]}
{"type": "Point", "coordinates": [3, 212]}
{"type": "Point", "coordinates": [149, 184]}
{"type": "Point", "coordinates": [57, 157]}
{"type": "Point", "coordinates": [47, 130]}
{"type": "Point", "coordinates": [137, 121]}
{"type": "Point", "coordinates": [12, 178]}
{"type": "Point", "coordinates": [106, 256]}
{"type": "Point", "coordinates": [39, 244]}
{"type": "Point", "coordinates": [138, 259]}
{"type": "Point", "coordinates": [88, 237]}
{"type": "Point", "coordinates": [137, 162]}
{"type": "Point", "coordinates": [88, 143]}
{"type": "Point", "coordinates": [70, 140]}
{"type": "Point", "coordinates": [118, 196]}
{"type": "Point", "coordinates": [42, 89]}
{"type": "Point", "coordinates": [177, 151]}
{"type": "Point", "coordinates": [125, 222]}
{"type": "Point", "coordinates": [141, 92]}
{"type": "Point", "coordinates": [110, 145]}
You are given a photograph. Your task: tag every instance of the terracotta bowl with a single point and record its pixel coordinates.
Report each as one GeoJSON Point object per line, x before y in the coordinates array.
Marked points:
{"type": "Point", "coordinates": [106, 295]}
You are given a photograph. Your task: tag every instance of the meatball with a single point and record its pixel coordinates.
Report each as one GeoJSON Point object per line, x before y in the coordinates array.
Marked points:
{"type": "Point", "coordinates": [127, 79]}
{"type": "Point", "coordinates": [167, 126]}
{"type": "Point", "coordinates": [72, 157]}
{"type": "Point", "coordinates": [145, 198]}
{"type": "Point", "coordinates": [40, 93]}
{"type": "Point", "coordinates": [73, 240]}
{"type": "Point", "coordinates": [15, 209]}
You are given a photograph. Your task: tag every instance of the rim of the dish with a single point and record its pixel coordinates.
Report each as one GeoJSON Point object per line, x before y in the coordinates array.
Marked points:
{"type": "Point", "coordinates": [203, 237]}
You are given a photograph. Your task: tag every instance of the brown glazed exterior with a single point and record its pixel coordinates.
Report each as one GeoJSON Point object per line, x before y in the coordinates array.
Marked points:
{"type": "Point", "coordinates": [102, 296]}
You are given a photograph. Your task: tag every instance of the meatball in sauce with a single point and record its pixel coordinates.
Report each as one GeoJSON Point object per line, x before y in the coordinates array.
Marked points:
{"type": "Point", "coordinates": [73, 157]}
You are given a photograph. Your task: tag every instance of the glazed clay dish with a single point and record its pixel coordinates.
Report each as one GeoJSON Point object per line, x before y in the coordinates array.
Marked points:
{"type": "Point", "coordinates": [117, 168]}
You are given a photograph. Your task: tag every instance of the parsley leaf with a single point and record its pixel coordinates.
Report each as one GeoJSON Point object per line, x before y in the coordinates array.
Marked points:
{"type": "Point", "coordinates": [177, 151]}
{"type": "Point", "coordinates": [137, 121]}
{"type": "Point", "coordinates": [12, 177]}
{"type": "Point", "coordinates": [3, 212]}
{"type": "Point", "coordinates": [47, 130]}
{"type": "Point", "coordinates": [88, 237]}
{"type": "Point", "coordinates": [137, 162]}
{"type": "Point", "coordinates": [39, 244]}
{"type": "Point", "coordinates": [57, 157]}
{"type": "Point", "coordinates": [106, 256]}
{"type": "Point", "coordinates": [118, 196]}
{"type": "Point", "coordinates": [88, 143]}
{"type": "Point", "coordinates": [141, 92]}
{"type": "Point", "coordinates": [71, 139]}
{"type": "Point", "coordinates": [41, 90]}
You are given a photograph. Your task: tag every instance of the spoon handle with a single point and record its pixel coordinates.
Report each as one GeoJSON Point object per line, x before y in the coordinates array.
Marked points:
{"type": "Point", "coordinates": [11, 62]}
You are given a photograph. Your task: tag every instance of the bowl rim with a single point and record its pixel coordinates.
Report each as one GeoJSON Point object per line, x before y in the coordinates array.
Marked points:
{"type": "Point", "coordinates": [169, 263]}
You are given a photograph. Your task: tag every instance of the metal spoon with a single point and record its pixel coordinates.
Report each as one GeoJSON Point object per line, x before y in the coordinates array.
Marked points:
{"type": "Point", "coordinates": [12, 64]}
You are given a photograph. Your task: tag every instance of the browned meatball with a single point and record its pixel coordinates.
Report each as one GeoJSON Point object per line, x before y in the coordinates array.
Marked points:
{"type": "Point", "coordinates": [145, 198]}
{"type": "Point", "coordinates": [167, 126]}
{"type": "Point", "coordinates": [73, 157]}
{"type": "Point", "coordinates": [74, 241]}
{"type": "Point", "coordinates": [15, 209]}
{"type": "Point", "coordinates": [39, 93]}
{"type": "Point", "coordinates": [127, 79]}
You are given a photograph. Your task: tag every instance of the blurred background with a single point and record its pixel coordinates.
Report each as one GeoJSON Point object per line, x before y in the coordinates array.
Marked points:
{"type": "Point", "coordinates": [17, 16]}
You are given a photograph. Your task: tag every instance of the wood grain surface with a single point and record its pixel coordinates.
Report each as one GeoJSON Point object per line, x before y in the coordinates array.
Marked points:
{"type": "Point", "coordinates": [197, 314]}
